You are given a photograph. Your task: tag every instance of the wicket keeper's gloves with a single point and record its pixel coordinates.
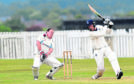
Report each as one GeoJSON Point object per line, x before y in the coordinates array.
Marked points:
{"type": "Point", "coordinates": [43, 57]}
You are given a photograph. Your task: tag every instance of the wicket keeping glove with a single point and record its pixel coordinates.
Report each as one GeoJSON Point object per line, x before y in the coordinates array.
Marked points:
{"type": "Point", "coordinates": [43, 57]}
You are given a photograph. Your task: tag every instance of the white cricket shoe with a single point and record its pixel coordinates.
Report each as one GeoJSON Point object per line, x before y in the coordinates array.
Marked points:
{"type": "Point", "coordinates": [35, 77]}
{"type": "Point", "coordinates": [50, 77]}
{"type": "Point", "coordinates": [95, 76]}
{"type": "Point", "coordinates": [119, 75]}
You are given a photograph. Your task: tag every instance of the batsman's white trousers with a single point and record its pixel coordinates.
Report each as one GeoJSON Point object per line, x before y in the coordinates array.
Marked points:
{"type": "Point", "coordinates": [51, 61]}
{"type": "Point", "coordinates": [99, 57]}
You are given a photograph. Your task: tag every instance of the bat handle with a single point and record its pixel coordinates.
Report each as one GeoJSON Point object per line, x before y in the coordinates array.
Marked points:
{"type": "Point", "coordinates": [103, 19]}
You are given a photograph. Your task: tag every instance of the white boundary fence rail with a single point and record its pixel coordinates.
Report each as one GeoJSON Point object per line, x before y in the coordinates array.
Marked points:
{"type": "Point", "coordinates": [21, 45]}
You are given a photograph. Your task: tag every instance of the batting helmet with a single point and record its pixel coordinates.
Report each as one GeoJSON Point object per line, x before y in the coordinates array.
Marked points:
{"type": "Point", "coordinates": [90, 22]}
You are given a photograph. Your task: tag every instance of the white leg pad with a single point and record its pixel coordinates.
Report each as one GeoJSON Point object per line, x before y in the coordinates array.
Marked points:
{"type": "Point", "coordinates": [54, 70]}
{"type": "Point", "coordinates": [35, 71]}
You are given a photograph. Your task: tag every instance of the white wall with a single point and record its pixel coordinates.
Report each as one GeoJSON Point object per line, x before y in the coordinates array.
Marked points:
{"type": "Point", "coordinates": [21, 45]}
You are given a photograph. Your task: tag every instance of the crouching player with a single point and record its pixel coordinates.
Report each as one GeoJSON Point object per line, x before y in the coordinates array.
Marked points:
{"type": "Point", "coordinates": [101, 48]}
{"type": "Point", "coordinates": [43, 55]}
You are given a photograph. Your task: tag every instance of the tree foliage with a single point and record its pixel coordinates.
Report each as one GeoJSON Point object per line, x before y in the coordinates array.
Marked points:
{"type": "Point", "coordinates": [52, 12]}
{"type": "Point", "coordinates": [4, 28]}
{"type": "Point", "coordinates": [131, 13]}
{"type": "Point", "coordinates": [34, 28]}
{"type": "Point", "coordinates": [15, 24]}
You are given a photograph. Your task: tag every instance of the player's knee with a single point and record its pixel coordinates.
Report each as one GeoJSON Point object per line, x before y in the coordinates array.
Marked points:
{"type": "Point", "coordinates": [57, 67]}
{"type": "Point", "coordinates": [54, 69]}
{"type": "Point", "coordinates": [113, 57]}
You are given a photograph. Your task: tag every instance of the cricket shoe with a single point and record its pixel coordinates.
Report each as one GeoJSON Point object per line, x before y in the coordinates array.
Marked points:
{"type": "Point", "coordinates": [50, 77]}
{"type": "Point", "coordinates": [119, 75]}
{"type": "Point", "coordinates": [95, 76]}
{"type": "Point", "coordinates": [35, 77]}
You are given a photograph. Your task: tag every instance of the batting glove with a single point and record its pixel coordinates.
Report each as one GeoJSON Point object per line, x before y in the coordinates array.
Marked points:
{"type": "Point", "coordinates": [106, 21]}
{"type": "Point", "coordinates": [110, 25]}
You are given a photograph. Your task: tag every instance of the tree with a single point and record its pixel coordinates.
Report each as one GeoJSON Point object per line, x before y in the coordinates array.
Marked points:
{"type": "Point", "coordinates": [34, 28]}
{"type": "Point", "coordinates": [4, 28]}
{"type": "Point", "coordinates": [79, 16]}
{"type": "Point", "coordinates": [131, 13]}
{"type": "Point", "coordinates": [36, 15]}
{"type": "Point", "coordinates": [53, 20]}
{"type": "Point", "coordinates": [15, 24]}
{"type": "Point", "coordinates": [26, 13]}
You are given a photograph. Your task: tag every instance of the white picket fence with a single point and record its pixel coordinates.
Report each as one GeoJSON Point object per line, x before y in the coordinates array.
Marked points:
{"type": "Point", "coordinates": [21, 45]}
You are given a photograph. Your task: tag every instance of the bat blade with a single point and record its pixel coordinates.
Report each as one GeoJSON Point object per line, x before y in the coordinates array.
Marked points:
{"type": "Point", "coordinates": [95, 12]}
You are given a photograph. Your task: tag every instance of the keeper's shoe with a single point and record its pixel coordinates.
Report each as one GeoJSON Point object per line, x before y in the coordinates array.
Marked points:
{"type": "Point", "coordinates": [50, 77]}
{"type": "Point", "coordinates": [95, 76]}
{"type": "Point", "coordinates": [119, 75]}
{"type": "Point", "coordinates": [35, 77]}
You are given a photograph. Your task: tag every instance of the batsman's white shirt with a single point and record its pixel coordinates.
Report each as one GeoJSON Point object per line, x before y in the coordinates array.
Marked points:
{"type": "Point", "coordinates": [97, 37]}
{"type": "Point", "coordinates": [102, 49]}
{"type": "Point", "coordinates": [45, 45]}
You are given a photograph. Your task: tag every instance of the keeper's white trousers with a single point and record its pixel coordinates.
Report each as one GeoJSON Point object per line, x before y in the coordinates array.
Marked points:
{"type": "Point", "coordinates": [99, 57]}
{"type": "Point", "coordinates": [51, 61]}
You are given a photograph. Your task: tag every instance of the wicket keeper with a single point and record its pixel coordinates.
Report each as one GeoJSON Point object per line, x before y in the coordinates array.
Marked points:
{"type": "Point", "coordinates": [43, 55]}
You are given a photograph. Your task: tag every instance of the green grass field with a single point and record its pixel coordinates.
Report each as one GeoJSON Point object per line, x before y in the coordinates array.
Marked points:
{"type": "Point", "coordinates": [20, 72]}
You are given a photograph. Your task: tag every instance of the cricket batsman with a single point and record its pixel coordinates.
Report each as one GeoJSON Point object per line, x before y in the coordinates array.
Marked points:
{"type": "Point", "coordinates": [101, 48]}
{"type": "Point", "coordinates": [43, 55]}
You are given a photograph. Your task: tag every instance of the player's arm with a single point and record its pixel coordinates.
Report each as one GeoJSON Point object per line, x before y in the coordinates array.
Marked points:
{"type": "Point", "coordinates": [50, 51]}
{"type": "Point", "coordinates": [39, 47]}
{"type": "Point", "coordinates": [43, 55]}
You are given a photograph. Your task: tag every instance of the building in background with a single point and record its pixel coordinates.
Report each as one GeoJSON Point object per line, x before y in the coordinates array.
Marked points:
{"type": "Point", "coordinates": [120, 23]}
